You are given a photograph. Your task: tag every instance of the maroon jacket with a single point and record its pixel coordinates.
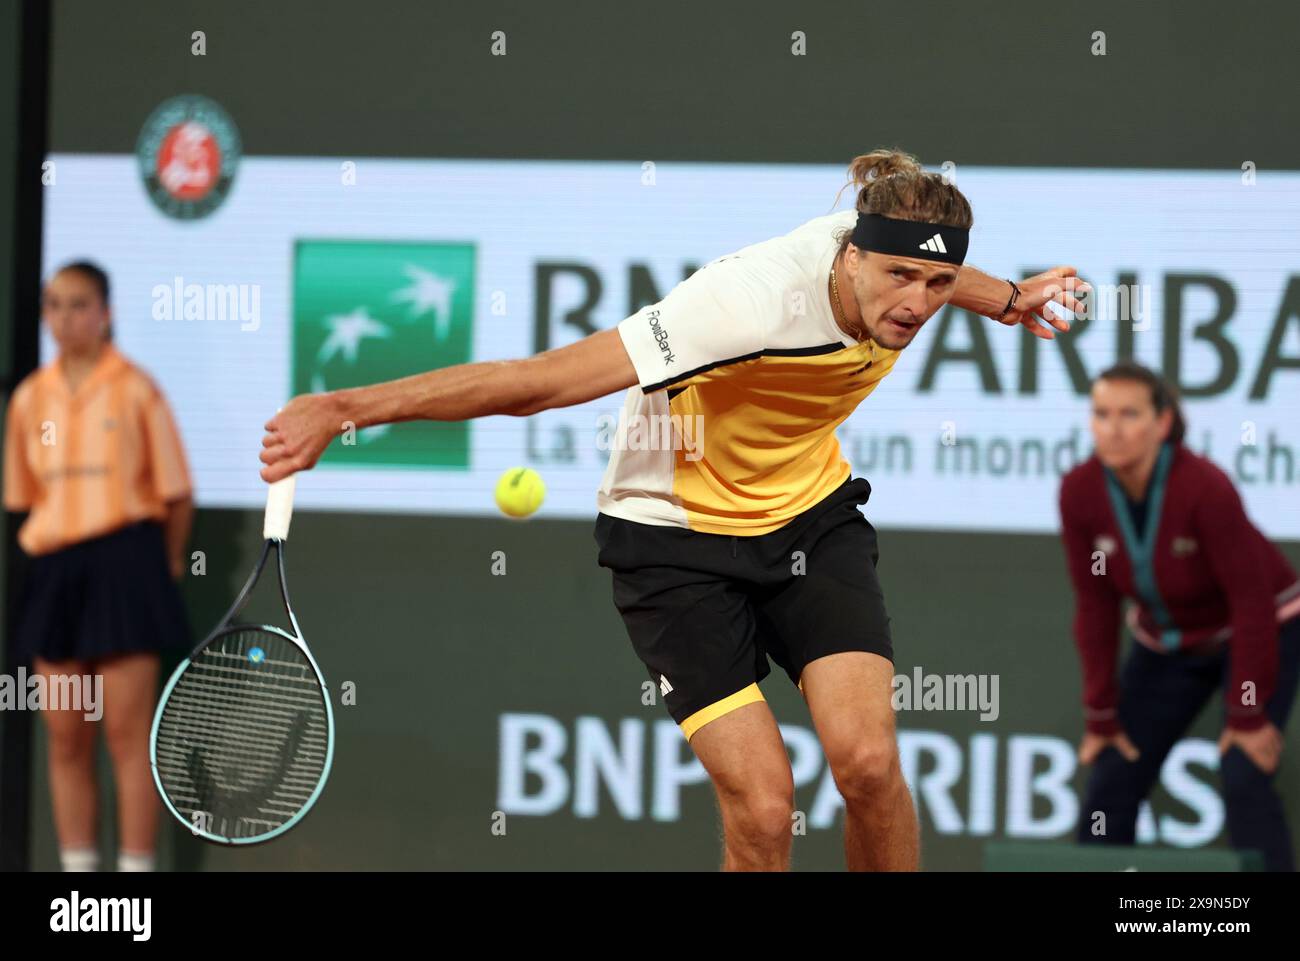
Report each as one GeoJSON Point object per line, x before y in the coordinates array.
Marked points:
{"type": "Point", "coordinates": [1211, 578]}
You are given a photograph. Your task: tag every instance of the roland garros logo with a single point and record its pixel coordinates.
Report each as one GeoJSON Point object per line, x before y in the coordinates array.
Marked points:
{"type": "Point", "coordinates": [188, 152]}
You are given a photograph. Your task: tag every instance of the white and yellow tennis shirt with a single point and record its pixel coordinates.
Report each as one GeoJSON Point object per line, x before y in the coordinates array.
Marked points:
{"type": "Point", "coordinates": [743, 377]}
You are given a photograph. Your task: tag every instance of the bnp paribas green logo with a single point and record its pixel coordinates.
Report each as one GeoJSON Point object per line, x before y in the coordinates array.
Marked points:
{"type": "Point", "coordinates": [369, 311]}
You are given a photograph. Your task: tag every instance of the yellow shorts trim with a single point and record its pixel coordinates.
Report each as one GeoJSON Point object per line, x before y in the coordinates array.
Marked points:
{"type": "Point", "coordinates": [715, 710]}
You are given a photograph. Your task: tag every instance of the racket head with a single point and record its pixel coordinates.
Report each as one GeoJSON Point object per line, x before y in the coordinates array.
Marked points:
{"type": "Point", "coordinates": [243, 737]}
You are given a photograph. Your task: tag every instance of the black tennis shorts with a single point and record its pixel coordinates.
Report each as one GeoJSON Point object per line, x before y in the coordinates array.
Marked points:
{"type": "Point", "coordinates": [705, 611]}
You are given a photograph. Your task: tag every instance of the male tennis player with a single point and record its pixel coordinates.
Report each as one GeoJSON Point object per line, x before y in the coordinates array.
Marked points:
{"type": "Point", "coordinates": [753, 546]}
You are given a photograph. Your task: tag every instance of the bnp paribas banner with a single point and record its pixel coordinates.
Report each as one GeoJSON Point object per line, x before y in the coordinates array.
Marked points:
{"type": "Point", "coordinates": [317, 274]}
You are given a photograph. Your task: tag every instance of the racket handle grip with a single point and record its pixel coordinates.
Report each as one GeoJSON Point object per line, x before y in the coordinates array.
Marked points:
{"type": "Point", "coordinates": [279, 508]}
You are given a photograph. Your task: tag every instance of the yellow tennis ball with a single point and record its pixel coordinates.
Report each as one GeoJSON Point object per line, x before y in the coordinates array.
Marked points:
{"type": "Point", "coordinates": [520, 491]}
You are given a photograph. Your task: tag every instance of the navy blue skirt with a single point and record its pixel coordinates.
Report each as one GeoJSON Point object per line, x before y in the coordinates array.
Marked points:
{"type": "Point", "coordinates": [103, 596]}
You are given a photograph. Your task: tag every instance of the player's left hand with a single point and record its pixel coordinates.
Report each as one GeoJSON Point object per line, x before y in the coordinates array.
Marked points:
{"type": "Point", "coordinates": [1060, 285]}
{"type": "Point", "coordinates": [1262, 745]}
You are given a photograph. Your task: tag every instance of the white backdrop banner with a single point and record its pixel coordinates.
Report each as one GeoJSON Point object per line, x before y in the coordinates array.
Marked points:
{"type": "Point", "coordinates": [315, 275]}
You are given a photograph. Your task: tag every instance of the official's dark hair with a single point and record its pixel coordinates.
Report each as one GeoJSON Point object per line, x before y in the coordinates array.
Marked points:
{"type": "Point", "coordinates": [97, 276]}
{"type": "Point", "coordinates": [93, 272]}
{"type": "Point", "coordinates": [1163, 395]}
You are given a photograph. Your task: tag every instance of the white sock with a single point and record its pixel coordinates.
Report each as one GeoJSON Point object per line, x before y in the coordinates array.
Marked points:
{"type": "Point", "coordinates": [127, 861]}
{"type": "Point", "coordinates": [79, 859]}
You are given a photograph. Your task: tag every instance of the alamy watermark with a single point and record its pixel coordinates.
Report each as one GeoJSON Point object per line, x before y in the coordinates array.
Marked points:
{"type": "Point", "coordinates": [947, 692]}
{"type": "Point", "coordinates": [181, 301]}
{"type": "Point", "coordinates": [55, 692]}
{"type": "Point", "coordinates": [652, 432]}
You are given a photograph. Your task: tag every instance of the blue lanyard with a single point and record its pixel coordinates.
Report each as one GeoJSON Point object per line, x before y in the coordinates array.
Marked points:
{"type": "Point", "coordinates": [1141, 549]}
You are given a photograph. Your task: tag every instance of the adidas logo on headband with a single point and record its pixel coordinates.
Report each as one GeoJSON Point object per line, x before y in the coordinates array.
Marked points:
{"type": "Point", "coordinates": [911, 238]}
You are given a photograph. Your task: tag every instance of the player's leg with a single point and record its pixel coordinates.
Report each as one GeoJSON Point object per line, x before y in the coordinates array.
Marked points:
{"type": "Point", "coordinates": [1160, 696]}
{"type": "Point", "coordinates": [71, 757]}
{"type": "Point", "coordinates": [1256, 816]}
{"type": "Point", "coordinates": [823, 619]}
{"type": "Point", "coordinates": [746, 760]}
{"type": "Point", "coordinates": [849, 696]}
{"type": "Point", "coordinates": [129, 693]}
{"type": "Point", "coordinates": [693, 626]}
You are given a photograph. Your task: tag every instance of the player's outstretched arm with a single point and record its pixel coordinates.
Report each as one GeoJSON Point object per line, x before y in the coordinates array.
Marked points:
{"type": "Point", "coordinates": [984, 294]}
{"type": "Point", "coordinates": [593, 367]}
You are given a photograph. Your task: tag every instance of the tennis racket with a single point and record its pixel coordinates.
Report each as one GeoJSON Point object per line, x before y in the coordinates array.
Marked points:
{"type": "Point", "coordinates": [244, 734]}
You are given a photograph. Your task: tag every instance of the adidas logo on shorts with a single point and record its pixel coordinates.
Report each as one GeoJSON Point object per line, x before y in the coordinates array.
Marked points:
{"type": "Point", "coordinates": [664, 686]}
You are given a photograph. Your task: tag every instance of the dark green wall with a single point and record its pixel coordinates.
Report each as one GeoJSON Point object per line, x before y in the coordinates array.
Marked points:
{"type": "Point", "coordinates": [9, 38]}
{"type": "Point", "coordinates": [13, 731]}
{"type": "Point", "coordinates": [1183, 84]}
{"type": "Point", "coordinates": [405, 607]}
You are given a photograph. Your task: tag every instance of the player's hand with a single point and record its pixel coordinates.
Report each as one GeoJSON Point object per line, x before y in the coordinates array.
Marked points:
{"type": "Point", "coordinates": [1263, 745]}
{"type": "Point", "coordinates": [1059, 285]}
{"type": "Point", "coordinates": [298, 434]}
{"type": "Point", "coordinates": [1093, 744]}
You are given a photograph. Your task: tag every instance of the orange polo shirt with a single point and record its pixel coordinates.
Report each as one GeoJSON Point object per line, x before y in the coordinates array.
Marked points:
{"type": "Point", "coordinates": [89, 462]}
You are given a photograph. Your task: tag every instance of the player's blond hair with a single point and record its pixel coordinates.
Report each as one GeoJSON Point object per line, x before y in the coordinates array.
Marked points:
{"type": "Point", "coordinates": [894, 184]}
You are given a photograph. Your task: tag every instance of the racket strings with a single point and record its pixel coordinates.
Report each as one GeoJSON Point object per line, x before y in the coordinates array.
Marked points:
{"type": "Point", "coordinates": [244, 735]}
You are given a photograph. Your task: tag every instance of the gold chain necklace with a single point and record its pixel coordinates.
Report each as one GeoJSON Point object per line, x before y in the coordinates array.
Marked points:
{"type": "Point", "coordinates": [835, 292]}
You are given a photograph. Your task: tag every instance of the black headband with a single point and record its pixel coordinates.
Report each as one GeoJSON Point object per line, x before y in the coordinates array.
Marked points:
{"type": "Point", "coordinates": [910, 238]}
